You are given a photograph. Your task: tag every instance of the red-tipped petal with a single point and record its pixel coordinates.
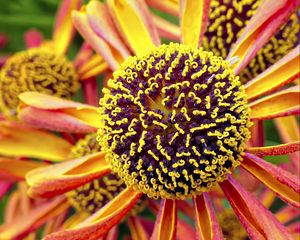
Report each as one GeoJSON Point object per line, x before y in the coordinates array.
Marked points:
{"type": "Point", "coordinates": [207, 225]}
{"type": "Point", "coordinates": [15, 170]}
{"type": "Point", "coordinates": [186, 208]}
{"type": "Point", "coordinates": [166, 29]}
{"type": "Point", "coordinates": [101, 23]}
{"type": "Point", "coordinates": [102, 221]}
{"type": "Point", "coordinates": [194, 20]}
{"type": "Point", "coordinates": [60, 178]}
{"type": "Point", "coordinates": [281, 149]}
{"type": "Point", "coordinates": [99, 45]}
{"type": "Point", "coordinates": [90, 91]}
{"type": "Point", "coordinates": [33, 38]}
{"type": "Point", "coordinates": [257, 220]}
{"type": "Point", "coordinates": [269, 17]}
{"type": "Point", "coordinates": [166, 221]}
{"type": "Point", "coordinates": [280, 104]}
{"type": "Point", "coordinates": [20, 140]}
{"type": "Point", "coordinates": [134, 22]}
{"type": "Point", "coordinates": [137, 229]}
{"type": "Point", "coordinates": [168, 6]}
{"type": "Point", "coordinates": [22, 226]}
{"type": "Point", "coordinates": [93, 67]}
{"type": "Point", "coordinates": [279, 74]}
{"type": "Point", "coordinates": [53, 113]}
{"type": "Point", "coordinates": [64, 30]}
{"type": "Point", "coordinates": [283, 183]}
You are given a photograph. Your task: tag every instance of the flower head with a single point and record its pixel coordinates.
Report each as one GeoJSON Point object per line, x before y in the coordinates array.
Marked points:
{"type": "Point", "coordinates": [175, 121]}
{"type": "Point", "coordinates": [36, 69]}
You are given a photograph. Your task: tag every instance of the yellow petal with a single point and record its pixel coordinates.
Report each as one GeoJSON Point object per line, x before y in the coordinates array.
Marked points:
{"type": "Point", "coordinates": [63, 30]}
{"type": "Point", "coordinates": [280, 104]}
{"type": "Point", "coordinates": [13, 169]}
{"type": "Point", "coordinates": [168, 6]}
{"type": "Point", "coordinates": [279, 74]}
{"type": "Point", "coordinates": [19, 140]}
{"type": "Point", "coordinates": [134, 21]}
{"type": "Point", "coordinates": [194, 20]}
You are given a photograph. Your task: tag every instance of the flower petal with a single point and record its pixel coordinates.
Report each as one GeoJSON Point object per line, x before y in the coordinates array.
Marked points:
{"type": "Point", "coordinates": [33, 38]}
{"type": "Point", "coordinates": [289, 131]}
{"type": "Point", "coordinates": [166, 29]}
{"type": "Point", "coordinates": [206, 222]}
{"type": "Point", "coordinates": [4, 187]}
{"type": "Point", "coordinates": [63, 29]}
{"type": "Point", "coordinates": [168, 6]}
{"type": "Point", "coordinates": [81, 23]}
{"type": "Point", "coordinates": [15, 170]}
{"type": "Point", "coordinates": [102, 221]}
{"type": "Point", "coordinates": [279, 74]}
{"type": "Point", "coordinates": [166, 220]}
{"type": "Point", "coordinates": [53, 113]}
{"type": "Point", "coordinates": [283, 183]}
{"type": "Point", "coordinates": [22, 226]}
{"type": "Point", "coordinates": [90, 91]}
{"type": "Point", "coordinates": [280, 149]}
{"type": "Point", "coordinates": [280, 104]}
{"type": "Point", "coordinates": [184, 231]}
{"type": "Point", "coordinates": [94, 66]}
{"type": "Point", "coordinates": [19, 140]}
{"type": "Point", "coordinates": [286, 214]}
{"type": "Point", "coordinates": [137, 229]}
{"type": "Point", "coordinates": [62, 177]}
{"type": "Point", "coordinates": [102, 24]}
{"type": "Point", "coordinates": [258, 221]}
{"type": "Point", "coordinates": [194, 20]}
{"type": "Point", "coordinates": [134, 22]}
{"type": "Point", "coordinates": [268, 18]}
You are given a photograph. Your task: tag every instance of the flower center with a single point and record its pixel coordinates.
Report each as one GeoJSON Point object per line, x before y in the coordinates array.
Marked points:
{"type": "Point", "coordinates": [231, 227]}
{"type": "Point", "coordinates": [37, 69]}
{"type": "Point", "coordinates": [174, 121]}
{"type": "Point", "coordinates": [92, 196]}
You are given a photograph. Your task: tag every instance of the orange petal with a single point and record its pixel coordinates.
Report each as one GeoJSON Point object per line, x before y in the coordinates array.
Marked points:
{"type": "Point", "coordinates": [134, 22]}
{"type": "Point", "coordinates": [22, 226]}
{"type": "Point", "coordinates": [137, 229]}
{"type": "Point", "coordinates": [268, 18]}
{"type": "Point", "coordinates": [280, 104]}
{"type": "Point", "coordinates": [281, 149]}
{"type": "Point", "coordinates": [60, 178]}
{"type": "Point", "coordinates": [15, 170]}
{"type": "Point", "coordinates": [194, 20]}
{"type": "Point", "coordinates": [283, 183]}
{"type": "Point", "coordinates": [94, 66]}
{"type": "Point", "coordinates": [206, 222]}
{"type": "Point", "coordinates": [166, 29]}
{"type": "Point", "coordinates": [19, 140]}
{"type": "Point", "coordinates": [166, 220]}
{"type": "Point", "coordinates": [168, 6]}
{"type": "Point", "coordinates": [63, 30]}
{"type": "Point", "coordinates": [53, 113]}
{"type": "Point", "coordinates": [102, 24]}
{"type": "Point", "coordinates": [279, 74]}
{"type": "Point", "coordinates": [99, 45]}
{"type": "Point", "coordinates": [102, 221]}
{"type": "Point", "coordinates": [258, 221]}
